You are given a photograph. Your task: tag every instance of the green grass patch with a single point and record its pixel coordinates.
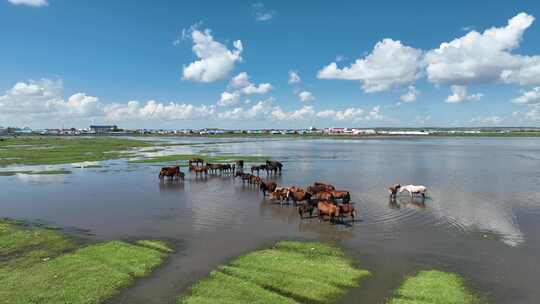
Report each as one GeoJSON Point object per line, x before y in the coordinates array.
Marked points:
{"type": "Point", "coordinates": [39, 265]}
{"type": "Point", "coordinates": [434, 287]}
{"type": "Point", "coordinates": [62, 150]}
{"type": "Point", "coordinates": [290, 272]}
{"type": "Point", "coordinates": [210, 159]}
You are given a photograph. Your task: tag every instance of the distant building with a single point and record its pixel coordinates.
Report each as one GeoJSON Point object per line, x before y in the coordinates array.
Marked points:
{"type": "Point", "coordinates": [103, 129]}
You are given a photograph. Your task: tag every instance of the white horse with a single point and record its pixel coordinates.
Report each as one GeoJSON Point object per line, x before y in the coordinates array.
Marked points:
{"type": "Point", "coordinates": [412, 189]}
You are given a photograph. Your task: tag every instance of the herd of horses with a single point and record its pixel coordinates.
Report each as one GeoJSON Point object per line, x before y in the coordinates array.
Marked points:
{"type": "Point", "coordinates": [320, 196]}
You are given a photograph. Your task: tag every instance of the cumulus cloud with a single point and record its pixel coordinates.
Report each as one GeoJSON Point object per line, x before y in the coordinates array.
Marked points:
{"type": "Point", "coordinates": [304, 113]}
{"type": "Point", "coordinates": [257, 111]}
{"type": "Point", "coordinates": [484, 57]}
{"type": "Point", "coordinates": [352, 114]}
{"type": "Point", "coordinates": [261, 13]}
{"type": "Point", "coordinates": [34, 3]}
{"type": "Point", "coordinates": [31, 97]}
{"type": "Point", "coordinates": [154, 110]}
{"type": "Point", "coordinates": [528, 97]}
{"type": "Point", "coordinates": [390, 64]}
{"type": "Point", "coordinates": [294, 77]}
{"type": "Point", "coordinates": [215, 62]}
{"type": "Point", "coordinates": [241, 85]}
{"type": "Point", "coordinates": [229, 99]}
{"type": "Point", "coordinates": [411, 94]}
{"type": "Point", "coordinates": [459, 95]}
{"type": "Point", "coordinates": [305, 96]}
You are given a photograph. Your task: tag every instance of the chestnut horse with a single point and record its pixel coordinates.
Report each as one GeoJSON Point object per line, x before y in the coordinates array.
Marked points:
{"type": "Point", "coordinates": [344, 196]}
{"type": "Point", "coordinates": [171, 173]}
{"type": "Point", "coordinates": [327, 208]}
{"type": "Point", "coordinates": [305, 208]}
{"type": "Point", "coordinates": [320, 187]}
{"type": "Point", "coordinates": [346, 210]}
{"type": "Point", "coordinates": [257, 168]}
{"type": "Point", "coordinates": [244, 176]}
{"type": "Point", "coordinates": [298, 195]}
{"type": "Point", "coordinates": [267, 186]}
{"type": "Point", "coordinates": [199, 170]}
{"type": "Point", "coordinates": [196, 161]}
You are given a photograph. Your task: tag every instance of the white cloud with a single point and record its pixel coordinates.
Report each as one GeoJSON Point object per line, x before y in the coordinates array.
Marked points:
{"type": "Point", "coordinates": [241, 85]}
{"type": "Point", "coordinates": [257, 111]}
{"type": "Point", "coordinates": [260, 13]}
{"type": "Point", "coordinates": [77, 105]}
{"type": "Point", "coordinates": [229, 99]}
{"type": "Point", "coordinates": [31, 97]}
{"type": "Point", "coordinates": [390, 64]}
{"type": "Point", "coordinates": [35, 3]}
{"type": "Point", "coordinates": [294, 77]}
{"type": "Point", "coordinates": [533, 113]}
{"type": "Point", "coordinates": [352, 114]}
{"type": "Point", "coordinates": [215, 60]}
{"type": "Point", "coordinates": [529, 97]}
{"type": "Point", "coordinates": [154, 110]}
{"type": "Point", "coordinates": [305, 96]}
{"type": "Point", "coordinates": [304, 113]}
{"type": "Point", "coordinates": [411, 94]}
{"type": "Point", "coordinates": [484, 57]}
{"type": "Point", "coordinates": [459, 94]}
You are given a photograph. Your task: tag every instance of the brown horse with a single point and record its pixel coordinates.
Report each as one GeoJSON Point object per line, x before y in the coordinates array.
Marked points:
{"type": "Point", "coordinates": [320, 187]}
{"type": "Point", "coordinates": [305, 208]}
{"type": "Point", "coordinates": [346, 210]}
{"type": "Point", "coordinates": [213, 168]}
{"type": "Point", "coordinates": [324, 196]}
{"type": "Point", "coordinates": [280, 194]}
{"type": "Point", "coordinates": [298, 195]}
{"type": "Point", "coordinates": [270, 169]}
{"type": "Point", "coordinates": [327, 208]}
{"type": "Point", "coordinates": [239, 163]}
{"type": "Point", "coordinates": [171, 173]}
{"type": "Point", "coordinates": [199, 170]}
{"type": "Point", "coordinates": [254, 180]}
{"type": "Point", "coordinates": [343, 195]}
{"type": "Point", "coordinates": [244, 176]}
{"type": "Point", "coordinates": [267, 187]}
{"type": "Point", "coordinates": [196, 161]}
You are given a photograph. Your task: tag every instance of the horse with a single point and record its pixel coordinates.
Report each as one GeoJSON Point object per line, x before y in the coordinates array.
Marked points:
{"type": "Point", "coordinates": [171, 173]}
{"type": "Point", "coordinates": [298, 195]}
{"type": "Point", "coordinates": [239, 163]}
{"type": "Point", "coordinates": [196, 161]}
{"type": "Point", "coordinates": [199, 170]}
{"type": "Point", "coordinates": [244, 176]}
{"type": "Point", "coordinates": [257, 168]}
{"type": "Point", "coordinates": [324, 196]}
{"type": "Point", "coordinates": [327, 208]}
{"type": "Point", "coordinates": [320, 187]}
{"type": "Point", "coordinates": [267, 186]}
{"type": "Point", "coordinates": [275, 164]}
{"type": "Point", "coordinates": [271, 169]}
{"type": "Point", "coordinates": [346, 209]}
{"type": "Point", "coordinates": [305, 208]}
{"type": "Point", "coordinates": [280, 194]}
{"type": "Point", "coordinates": [254, 180]}
{"type": "Point", "coordinates": [343, 195]}
{"type": "Point", "coordinates": [214, 167]}
{"type": "Point", "coordinates": [412, 189]}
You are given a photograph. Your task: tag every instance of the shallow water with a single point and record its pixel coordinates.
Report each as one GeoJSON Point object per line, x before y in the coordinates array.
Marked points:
{"type": "Point", "coordinates": [480, 219]}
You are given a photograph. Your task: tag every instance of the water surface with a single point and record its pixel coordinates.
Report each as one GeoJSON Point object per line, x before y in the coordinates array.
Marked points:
{"type": "Point", "coordinates": [480, 220]}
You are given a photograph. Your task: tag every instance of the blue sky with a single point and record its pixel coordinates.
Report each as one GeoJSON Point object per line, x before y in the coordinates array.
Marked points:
{"type": "Point", "coordinates": [135, 63]}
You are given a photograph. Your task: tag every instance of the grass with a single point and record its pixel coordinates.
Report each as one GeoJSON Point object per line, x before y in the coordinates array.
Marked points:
{"type": "Point", "coordinates": [210, 159]}
{"type": "Point", "coordinates": [290, 272]}
{"type": "Point", "coordinates": [39, 265]}
{"type": "Point", "coordinates": [62, 150]}
{"type": "Point", "coordinates": [434, 287]}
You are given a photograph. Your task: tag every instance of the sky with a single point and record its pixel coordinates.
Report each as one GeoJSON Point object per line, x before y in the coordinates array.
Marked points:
{"type": "Point", "coordinates": [272, 64]}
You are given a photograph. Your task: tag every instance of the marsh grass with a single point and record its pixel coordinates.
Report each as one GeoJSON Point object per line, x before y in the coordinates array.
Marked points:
{"type": "Point", "coordinates": [62, 150]}
{"type": "Point", "coordinates": [39, 265]}
{"type": "Point", "coordinates": [290, 272]}
{"type": "Point", "coordinates": [434, 287]}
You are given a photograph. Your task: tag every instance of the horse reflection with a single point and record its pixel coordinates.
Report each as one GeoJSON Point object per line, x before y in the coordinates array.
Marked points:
{"type": "Point", "coordinates": [171, 186]}
{"type": "Point", "coordinates": [395, 202]}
